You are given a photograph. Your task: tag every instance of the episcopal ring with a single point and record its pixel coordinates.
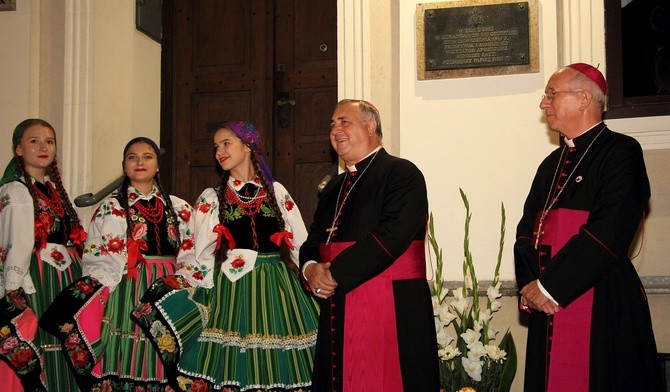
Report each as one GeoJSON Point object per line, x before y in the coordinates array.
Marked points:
{"type": "Point", "coordinates": [318, 290]}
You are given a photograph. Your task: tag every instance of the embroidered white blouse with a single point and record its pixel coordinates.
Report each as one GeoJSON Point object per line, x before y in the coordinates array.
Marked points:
{"type": "Point", "coordinates": [198, 272]}
{"type": "Point", "coordinates": [105, 252]}
{"type": "Point", "coordinates": [17, 240]}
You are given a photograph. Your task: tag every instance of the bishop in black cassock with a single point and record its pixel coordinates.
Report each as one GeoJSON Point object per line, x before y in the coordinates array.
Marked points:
{"type": "Point", "coordinates": [590, 326]}
{"type": "Point", "coordinates": [376, 330]}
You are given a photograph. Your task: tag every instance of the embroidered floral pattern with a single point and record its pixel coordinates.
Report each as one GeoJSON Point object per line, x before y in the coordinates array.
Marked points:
{"type": "Point", "coordinates": [17, 353]}
{"type": "Point", "coordinates": [3, 252]}
{"type": "Point", "coordinates": [115, 244]}
{"type": "Point", "coordinates": [147, 317]}
{"type": "Point", "coordinates": [198, 272]}
{"type": "Point", "coordinates": [4, 201]}
{"type": "Point", "coordinates": [16, 300]}
{"type": "Point", "coordinates": [203, 206]}
{"type": "Point", "coordinates": [94, 250]}
{"type": "Point", "coordinates": [187, 244]}
{"type": "Point", "coordinates": [84, 287]}
{"type": "Point", "coordinates": [184, 214]}
{"type": "Point", "coordinates": [165, 341]}
{"type": "Point", "coordinates": [140, 229]}
{"type": "Point", "coordinates": [191, 385]}
{"type": "Point", "coordinates": [110, 385]}
{"type": "Point", "coordinates": [288, 203]}
{"type": "Point", "coordinates": [232, 212]}
{"type": "Point", "coordinates": [237, 264]}
{"type": "Point", "coordinates": [9, 343]}
{"type": "Point", "coordinates": [78, 355]}
{"type": "Point", "coordinates": [73, 344]}
{"type": "Point", "coordinates": [57, 257]}
{"type": "Point", "coordinates": [176, 282]}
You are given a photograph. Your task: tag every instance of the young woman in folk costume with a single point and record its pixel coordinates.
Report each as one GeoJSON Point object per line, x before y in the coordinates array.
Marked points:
{"type": "Point", "coordinates": [40, 248]}
{"type": "Point", "coordinates": [135, 237]}
{"type": "Point", "coordinates": [245, 323]}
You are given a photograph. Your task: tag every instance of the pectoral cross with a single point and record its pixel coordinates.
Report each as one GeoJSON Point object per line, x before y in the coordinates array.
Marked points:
{"type": "Point", "coordinates": [330, 231]}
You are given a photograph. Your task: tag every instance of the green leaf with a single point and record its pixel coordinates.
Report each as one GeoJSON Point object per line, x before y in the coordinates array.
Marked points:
{"type": "Point", "coordinates": [509, 366]}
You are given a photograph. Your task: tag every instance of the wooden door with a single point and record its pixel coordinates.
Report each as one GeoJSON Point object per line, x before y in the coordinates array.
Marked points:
{"type": "Point", "coordinates": [273, 63]}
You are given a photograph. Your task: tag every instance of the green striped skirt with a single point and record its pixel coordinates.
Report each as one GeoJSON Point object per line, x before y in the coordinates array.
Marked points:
{"type": "Point", "coordinates": [106, 349]}
{"type": "Point", "coordinates": [257, 333]}
{"type": "Point", "coordinates": [37, 362]}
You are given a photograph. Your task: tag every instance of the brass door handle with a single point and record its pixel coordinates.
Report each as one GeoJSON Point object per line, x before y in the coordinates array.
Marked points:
{"type": "Point", "coordinates": [283, 102]}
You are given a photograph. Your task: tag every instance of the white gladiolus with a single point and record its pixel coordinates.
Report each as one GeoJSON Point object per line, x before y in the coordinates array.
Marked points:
{"type": "Point", "coordinates": [473, 367]}
{"type": "Point", "coordinates": [444, 314]}
{"type": "Point", "coordinates": [495, 305]}
{"type": "Point", "coordinates": [443, 338]}
{"type": "Point", "coordinates": [477, 350]}
{"type": "Point", "coordinates": [470, 314]}
{"type": "Point", "coordinates": [485, 315]}
{"type": "Point", "coordinates": [470, 336]}
{"type": "Point", "coordinates": [492, 332]}
{"type": "Point", "coordinates": [493, 292]}
{"type": "Point", "coordinates": [460, 305]}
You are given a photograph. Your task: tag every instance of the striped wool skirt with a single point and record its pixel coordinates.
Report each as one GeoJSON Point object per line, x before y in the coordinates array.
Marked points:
{"type": "Point", "coordinates": [107, 351]}
{"type": "Point", "coordinates": [257, 333]}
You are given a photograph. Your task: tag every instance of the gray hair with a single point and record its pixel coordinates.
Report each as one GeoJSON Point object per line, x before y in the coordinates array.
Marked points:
{"type": "Point", "coordinates": [585, 83]}
{"type": "Point", "coordinates": [367, 111]}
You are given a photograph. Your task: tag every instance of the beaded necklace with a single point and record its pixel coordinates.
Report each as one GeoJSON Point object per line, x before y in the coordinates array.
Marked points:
{"type": "Point", "coordinates": [153, 212]}
{"type": "Point", "coordinates": [548, 205]}
{"type": "Point", "coordinates": [52, 200]}
{"type": "Point", "coordinates": [249, 204]}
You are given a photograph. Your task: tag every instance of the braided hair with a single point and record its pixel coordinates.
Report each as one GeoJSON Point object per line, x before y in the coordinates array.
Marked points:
{"type": "Point", "coordinates": [122, 193]}
{"type": "Point", "coordinates": [54, 176]}
{"type": "Point", "coordinates": [284, 250]}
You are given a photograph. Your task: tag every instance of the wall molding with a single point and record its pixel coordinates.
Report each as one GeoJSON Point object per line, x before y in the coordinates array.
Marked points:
{"type": "Point", "coordinates": [353, 49]}
{"type": "Point", "coordinates": [652, 285]}
{"type": "Point", "coordinates": [77, 91]}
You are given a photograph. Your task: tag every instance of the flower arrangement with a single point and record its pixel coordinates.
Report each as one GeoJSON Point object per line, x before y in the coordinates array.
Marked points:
{"type": "Point", "coordinates": [471, 361]}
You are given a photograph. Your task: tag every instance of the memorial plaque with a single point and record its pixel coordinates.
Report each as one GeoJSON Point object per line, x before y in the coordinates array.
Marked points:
{"type": "Point", "coordinates": [476, 37]}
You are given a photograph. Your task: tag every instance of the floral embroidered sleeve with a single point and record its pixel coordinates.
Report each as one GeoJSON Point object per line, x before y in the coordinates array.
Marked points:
{"type": "Point", "coordinates": [199, 268]}
{"type": "Point", "coordinates": [105, 253]}
{"type": "Point", "coordinates": [293, 219]}
{"type": "Point", "coordinates": [184, 213]}
{"type": "Point", "coordinates": [17, 237]}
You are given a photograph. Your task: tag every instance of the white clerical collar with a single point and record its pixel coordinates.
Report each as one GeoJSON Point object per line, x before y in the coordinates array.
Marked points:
{"type": "Point", "coordinates": [352, 168]}
{"type": "Point", "coordinates": [570, 142]}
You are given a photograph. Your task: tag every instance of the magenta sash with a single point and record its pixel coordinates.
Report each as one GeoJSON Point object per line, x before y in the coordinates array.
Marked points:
{"type": "Point", "coordinates": [370, 358]}
{"type": "Point", "coordinates": [568, 367]}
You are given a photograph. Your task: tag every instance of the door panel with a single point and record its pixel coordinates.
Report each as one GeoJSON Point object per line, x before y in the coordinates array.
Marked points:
{"type": "Point", "coordinates": [234, 60]}
{"type": "Point", "coordinates": [306, 68]}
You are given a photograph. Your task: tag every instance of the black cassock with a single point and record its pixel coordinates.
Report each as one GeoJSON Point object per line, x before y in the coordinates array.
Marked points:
{"type": "Point", "coordinates": [385, 211]}
{"type": "Point", "coordinates": [610, 186]}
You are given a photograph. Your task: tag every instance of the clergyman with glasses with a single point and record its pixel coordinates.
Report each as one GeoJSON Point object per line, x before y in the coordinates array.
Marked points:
{"type": "Point", "coordinates": [589, 322]}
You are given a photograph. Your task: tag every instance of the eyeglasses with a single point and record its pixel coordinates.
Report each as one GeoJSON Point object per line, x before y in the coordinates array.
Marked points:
{"type": "Point", "coordinates": [551, 94]}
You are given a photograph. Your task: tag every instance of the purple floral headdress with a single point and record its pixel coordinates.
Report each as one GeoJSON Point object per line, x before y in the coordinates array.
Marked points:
{"type": "Point", "coordinates": [252, 139]}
